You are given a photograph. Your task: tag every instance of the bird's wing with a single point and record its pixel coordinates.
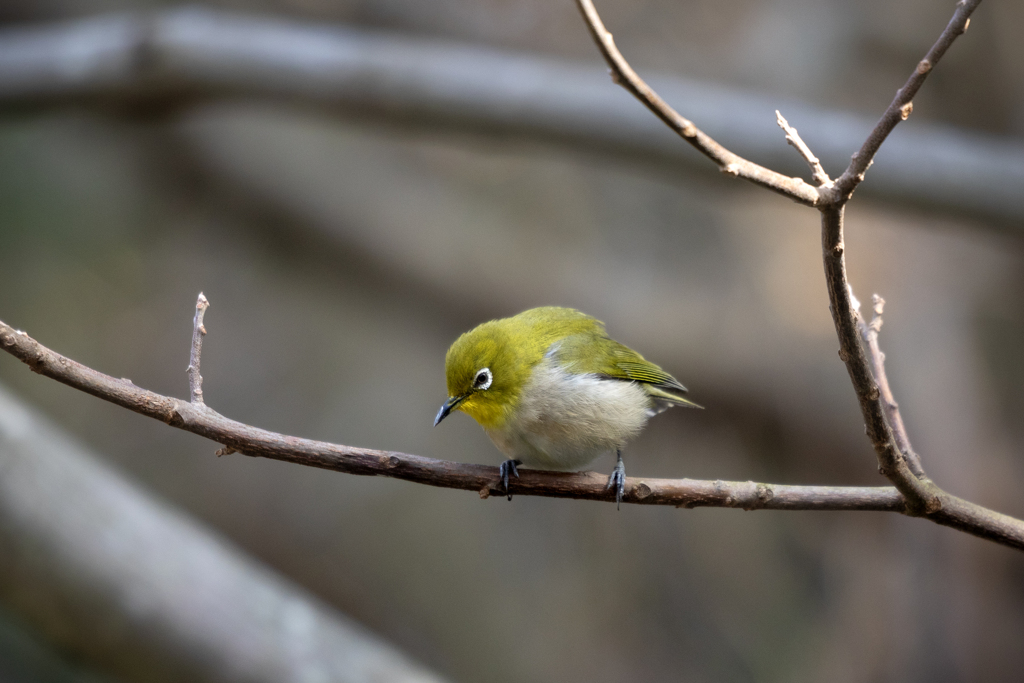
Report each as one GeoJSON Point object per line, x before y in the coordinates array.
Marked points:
{"type": "Point", "coordinates": [605, 357]}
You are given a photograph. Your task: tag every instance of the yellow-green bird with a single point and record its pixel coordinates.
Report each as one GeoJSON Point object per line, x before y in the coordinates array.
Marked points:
{"type": "Point", "coordinates": [554, 391]}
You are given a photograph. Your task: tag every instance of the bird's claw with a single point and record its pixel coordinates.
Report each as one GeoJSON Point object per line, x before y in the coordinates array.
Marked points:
{"type": "Point", "coordinates": [503, 472]}
{"type": "Point", "coordinates": [618, 480]}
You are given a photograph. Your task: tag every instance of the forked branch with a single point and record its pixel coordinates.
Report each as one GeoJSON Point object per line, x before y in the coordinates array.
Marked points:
{"type": "Point", "coordinates": [905, 472]}
{"type": "Point", "coordinates": [896, 459]}
{"type": "Point", "coordinates": [795, 188]}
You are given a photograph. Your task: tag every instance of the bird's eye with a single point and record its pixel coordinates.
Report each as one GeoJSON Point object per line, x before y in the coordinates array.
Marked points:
{"type": "Point", "coordinates": [483, 379]}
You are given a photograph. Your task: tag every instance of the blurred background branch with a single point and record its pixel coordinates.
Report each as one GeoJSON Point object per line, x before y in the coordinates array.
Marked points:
{"type": "Point", "coordinates": [162, 61]}
{"type": "Point", "coordinates": [130, 586]}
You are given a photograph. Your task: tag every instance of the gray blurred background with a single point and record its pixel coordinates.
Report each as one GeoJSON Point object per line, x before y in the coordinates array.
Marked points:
{"type": "Point", "coordinates": [343, 253]}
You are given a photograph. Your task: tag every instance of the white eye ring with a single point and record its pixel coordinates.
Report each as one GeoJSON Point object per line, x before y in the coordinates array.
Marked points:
{"type": "Point", "coordinates": [483, 379]}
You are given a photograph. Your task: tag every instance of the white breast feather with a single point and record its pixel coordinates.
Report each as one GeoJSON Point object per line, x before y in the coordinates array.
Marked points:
{"type": "Point", "coordinates": [566, 420]}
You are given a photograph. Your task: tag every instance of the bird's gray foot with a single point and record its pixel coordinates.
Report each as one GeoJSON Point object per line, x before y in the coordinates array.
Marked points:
{"type": "Point", "coordinates": [509, 466]}
{"type": "Point", "coordinates": [618, 480]}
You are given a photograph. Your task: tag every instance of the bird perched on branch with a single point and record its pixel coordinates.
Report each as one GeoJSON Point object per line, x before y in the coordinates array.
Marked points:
{"type": "Point", "coordinates": [553, 391]}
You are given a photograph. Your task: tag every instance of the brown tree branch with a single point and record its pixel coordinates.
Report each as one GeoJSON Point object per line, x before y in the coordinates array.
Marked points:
{"type": "Point", "coordinates": [200, 419]}
{"type": "Point", "coordinates": [922, 495]}
{"type": "Point", "coordinates": [902, 105]}
{"type": "Point", "coordinates": [728, 162]}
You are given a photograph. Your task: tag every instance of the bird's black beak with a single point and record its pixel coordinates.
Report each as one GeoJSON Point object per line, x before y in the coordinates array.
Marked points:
{"type": "Point", "coordinates": [449, 405]}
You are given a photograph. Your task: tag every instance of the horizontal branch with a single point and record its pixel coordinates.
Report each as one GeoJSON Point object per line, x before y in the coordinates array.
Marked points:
{"type": "Point", "coordinates": [204, 421]}
{"type": "Point", "coordinates": [162, 61]}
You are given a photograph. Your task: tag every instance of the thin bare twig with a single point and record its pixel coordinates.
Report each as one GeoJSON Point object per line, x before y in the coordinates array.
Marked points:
{"type": "Point", "coordinates": [869, 333]}
{"type": "Point", "coordinates": [202, 420]}
{"type": "Point", "coordinates": [195, 380]}
{"type": "Point", "coordinates": [902, 105]}
{"type": "Point", "coordinates": [728, 162]}
{"type": "Point", "coordinates": [794, 139]}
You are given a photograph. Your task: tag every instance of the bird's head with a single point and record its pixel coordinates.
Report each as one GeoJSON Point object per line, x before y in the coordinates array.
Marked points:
{"type": "Point", "coordinates": [486, 369]}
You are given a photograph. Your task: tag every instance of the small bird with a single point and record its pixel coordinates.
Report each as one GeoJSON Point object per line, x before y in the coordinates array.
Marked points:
{"type": "Point", "coordinates": [554, 391]}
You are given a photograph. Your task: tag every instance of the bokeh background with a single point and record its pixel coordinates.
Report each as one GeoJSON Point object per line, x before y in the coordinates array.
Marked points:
{"type": "Point", "coordinates": [342, 254]}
